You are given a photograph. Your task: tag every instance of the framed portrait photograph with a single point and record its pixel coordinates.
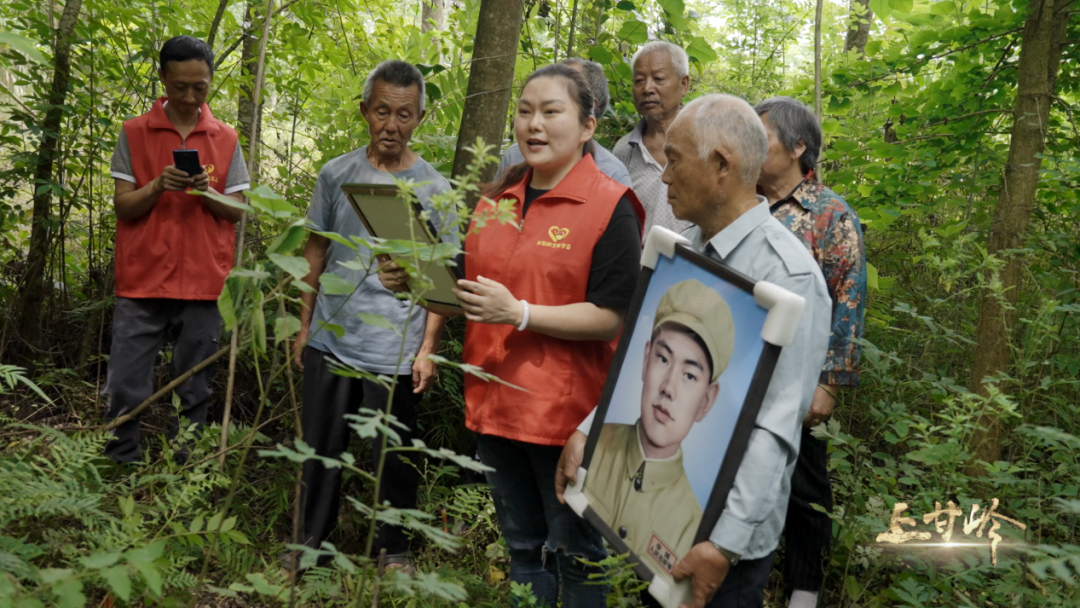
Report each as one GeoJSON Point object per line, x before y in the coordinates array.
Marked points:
{"type": "Point", "coordinates": [386, 216]}
{"type": "Point", "coordinates": [691, 369]}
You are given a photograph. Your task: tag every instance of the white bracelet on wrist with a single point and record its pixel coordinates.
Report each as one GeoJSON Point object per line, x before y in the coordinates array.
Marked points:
{"type": "Point", "coordinates": [524, 316]}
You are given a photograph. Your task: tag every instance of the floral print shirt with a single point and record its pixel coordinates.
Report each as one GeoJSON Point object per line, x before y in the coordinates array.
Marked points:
{"type": "Point", "coordinates": [830, 228]}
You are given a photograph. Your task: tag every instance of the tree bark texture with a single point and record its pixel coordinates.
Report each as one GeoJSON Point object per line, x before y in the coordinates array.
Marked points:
{"type": "Point", "coordinates": [858, 34]}
{"type": "Point", "coordinates": [247, 117]}
{"type": "Point", "coordinates": [491, 79]}
{"type": "Point", "coordinates": [433, 15]}
{"type": "Point", "coordinates": [222, 5]}
{"type": "Point", "coordinates": [33, 285]}
{"type": "Point", "coordinates": [1040, 57]}
{"type": "Point", "coordinates": [817, 59]}
{"type": "Point", "coordinates": [573, 29]}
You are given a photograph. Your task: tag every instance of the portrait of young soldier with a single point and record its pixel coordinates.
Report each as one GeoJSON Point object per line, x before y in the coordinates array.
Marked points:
{"type": "Point", "coordinates": [636, 480]}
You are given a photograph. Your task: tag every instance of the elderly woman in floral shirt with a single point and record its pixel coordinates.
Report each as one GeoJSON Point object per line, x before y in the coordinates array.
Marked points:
{"type": "Point", "coordinates": [830, 229]}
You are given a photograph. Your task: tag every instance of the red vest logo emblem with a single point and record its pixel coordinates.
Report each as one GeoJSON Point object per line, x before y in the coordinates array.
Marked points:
{"type": "Point", "coordinates": [557, 234]}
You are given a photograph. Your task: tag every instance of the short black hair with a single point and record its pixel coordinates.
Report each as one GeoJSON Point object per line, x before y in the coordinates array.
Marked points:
{"type": "Point", "coordinates": [793, 122]}
{"type": "Point", "coordinates": [397, 73]}
{"type": "Point", "coordinates": [185, 48]}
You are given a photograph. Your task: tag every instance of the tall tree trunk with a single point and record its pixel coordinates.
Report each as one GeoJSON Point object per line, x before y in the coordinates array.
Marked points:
{"type": "Point", "coordinates": [247, 117]}
{"type": "Point", "coordinates": [859, 23]}
{"type": "Point", "coordinates": [573, 29]}
{"type": "Point", "coordinates": [222, 5]}
{"type": "Point", "coordinates": [817, 59]}
{"type": "Point", "coordinates": [33, 285]}
{"type": "Point", "coordinates": [1040, 57]}
{"type": "Point", "coordinates": [433, 17]}
{"type": "Point", "coordinates": [491, 78]}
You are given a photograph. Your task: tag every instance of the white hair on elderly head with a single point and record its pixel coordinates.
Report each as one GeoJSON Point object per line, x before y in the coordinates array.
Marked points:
{"type": "Point", "coordinates": [733, 123]}
{"type": "Point", "coordinates": [679, 60]}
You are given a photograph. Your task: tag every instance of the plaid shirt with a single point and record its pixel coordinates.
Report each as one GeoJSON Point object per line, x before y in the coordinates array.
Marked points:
{"type": "Point", "coordinates": [829, 227]}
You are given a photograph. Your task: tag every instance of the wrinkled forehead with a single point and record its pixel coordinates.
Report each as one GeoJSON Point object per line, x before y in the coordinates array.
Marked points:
{"type": "Point", "coordinates": [654, 62]}
{"type": "Point", "coordinates": [395, 96]}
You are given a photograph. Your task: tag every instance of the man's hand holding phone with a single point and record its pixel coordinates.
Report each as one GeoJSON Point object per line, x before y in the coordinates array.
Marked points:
{"type": "Point", "coordinates": [175, 180]}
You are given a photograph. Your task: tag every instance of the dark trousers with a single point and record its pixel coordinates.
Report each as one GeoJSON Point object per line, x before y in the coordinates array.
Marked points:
{"type": "Point", "coordinates": [139, 328]}
{"type": "Point", "coordinates": [328, 397]}
{"type": "Point", "coordinates": [808, 532]}
{"type": "Point", "coordinates": [545, 538]}
{"type": "Point", "coordinates": [744, 586]}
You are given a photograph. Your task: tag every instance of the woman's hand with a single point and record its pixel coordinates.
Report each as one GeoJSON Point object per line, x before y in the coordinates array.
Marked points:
{"type": "Point", "coordinates": [487, 301]}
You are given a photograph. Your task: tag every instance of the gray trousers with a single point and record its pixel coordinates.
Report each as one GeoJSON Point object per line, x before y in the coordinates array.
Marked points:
{"type": "Point", "coordinates": [140, 326]}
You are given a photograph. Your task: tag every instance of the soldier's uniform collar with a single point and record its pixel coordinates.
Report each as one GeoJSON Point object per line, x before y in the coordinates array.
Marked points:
{"type": "Point", "coordinates": [655, 474]}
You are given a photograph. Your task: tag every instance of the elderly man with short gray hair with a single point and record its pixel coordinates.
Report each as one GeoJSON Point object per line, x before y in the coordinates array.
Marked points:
{"type": "Point", "coordinates": [830, 229]}
{"type": "Point", "coordinates": [392, 105]}
{"type": "Point", "coordinates": [661, 77]}
{"type": "Point", "coordinates": [715, 150]}
{"type": "Point", "coordinates": [608, 164]}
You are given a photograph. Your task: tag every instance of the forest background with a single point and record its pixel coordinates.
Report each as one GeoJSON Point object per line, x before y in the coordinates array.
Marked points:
{"type": "Point", "coordinates": [950, 127]}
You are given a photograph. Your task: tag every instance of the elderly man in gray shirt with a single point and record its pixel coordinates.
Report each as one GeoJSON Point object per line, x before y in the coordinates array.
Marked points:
{"type": "Point", "coordinates": [661, 73]}
{"type": "Point", "coordinates": [605, 161]}
{"type": "Point", "coordinates": [715, 150]}
{"type": "Point", "coordinates": [393, 105]}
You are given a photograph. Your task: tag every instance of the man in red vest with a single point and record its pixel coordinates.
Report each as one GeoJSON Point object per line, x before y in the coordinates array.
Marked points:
{"type": "Point", "coordinates": [173, 249]}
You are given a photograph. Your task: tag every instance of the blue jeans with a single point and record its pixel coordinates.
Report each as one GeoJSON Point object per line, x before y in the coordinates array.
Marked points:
{"type": "Point", "coordinates": [534, 524]}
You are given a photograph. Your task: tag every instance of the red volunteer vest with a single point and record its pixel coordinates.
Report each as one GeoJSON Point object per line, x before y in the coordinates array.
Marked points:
{"type": "Point", "coordinates": [179, 250]}
{"type": "Point", "coordinates": [544, 260]}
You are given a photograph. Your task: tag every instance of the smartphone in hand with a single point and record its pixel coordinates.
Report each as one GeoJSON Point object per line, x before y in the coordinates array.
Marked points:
{"type": "Point", "coordinates": [187, 161]}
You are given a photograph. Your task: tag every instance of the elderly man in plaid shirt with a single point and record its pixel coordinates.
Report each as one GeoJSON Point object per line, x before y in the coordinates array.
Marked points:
{"type": "Point", "coordinates": [829, 227]}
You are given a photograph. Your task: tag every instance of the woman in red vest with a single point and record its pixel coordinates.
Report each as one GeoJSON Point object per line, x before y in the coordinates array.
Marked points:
{"type": "Point", "coordinates": [545, 297]}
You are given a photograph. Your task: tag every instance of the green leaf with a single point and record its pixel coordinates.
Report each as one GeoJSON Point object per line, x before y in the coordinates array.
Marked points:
{"type": "Point", "coordinates": [151, 575]}
{"type": "Point", "coordinates": [215, 521]}
{"type": "Point", "coordinates": [378, 321]}
{"type": "Point", "coordinates": [943, 8]}
{"type": "Point", "coordinates": [263, 586]}
{"type": "Point", "coordinates": [197, 524]}
{"type": "Point", "coordinates": [98, 561]}
{"type": "Point", "coordinates": [871, 277]}
{"type": "Point", "coordinates": [337, 238]}
{"type": "Point", "coordinates": [268, 201]}
{"type": "Point", "coordinates": [673, 7]}
{"type": "Point", "coordinates": [23, 45]}
{"type": "Point", "coordinates": [53, 575]}
{"type": "Point", "coordinates": [248, 273]}
{"type": "Point", "coordinates": [69, 593]}
{"type": "Point", "coordinates": [434, 93]}
{"type": "Point", "coordinates": [227, 308]}
{"type": "Point", "coordinates": [634, 31]}
{"type": "Point", "coordinates": [626, 5]}
{"type": "Point", "coordinates": [224, 200]}
{"type": "Point", "coordinates": [853, 588]}
{"type": "Point", "coordinates": [334, 285]}
{"type": "Point", "coordinates": [333, 328]}
{"type": "Point", "coordinates": [901, 6]}
{"type": "Point", "coordinates": [601, 55]}
{"type": "Point", "coordinates": [289, 240]}
{"type": "Point", "coordinates": [296, 266]}
{"type": "Point", "coordinates": [701, 50]}
{"type": "Point", "coordinates": [119, 581]}
{"type": "Point", "coordinates": [285, 327]}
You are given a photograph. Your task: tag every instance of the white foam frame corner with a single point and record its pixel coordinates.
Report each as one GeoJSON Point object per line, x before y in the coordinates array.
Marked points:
{"type": "Point", "coordinates": [660, 241]}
